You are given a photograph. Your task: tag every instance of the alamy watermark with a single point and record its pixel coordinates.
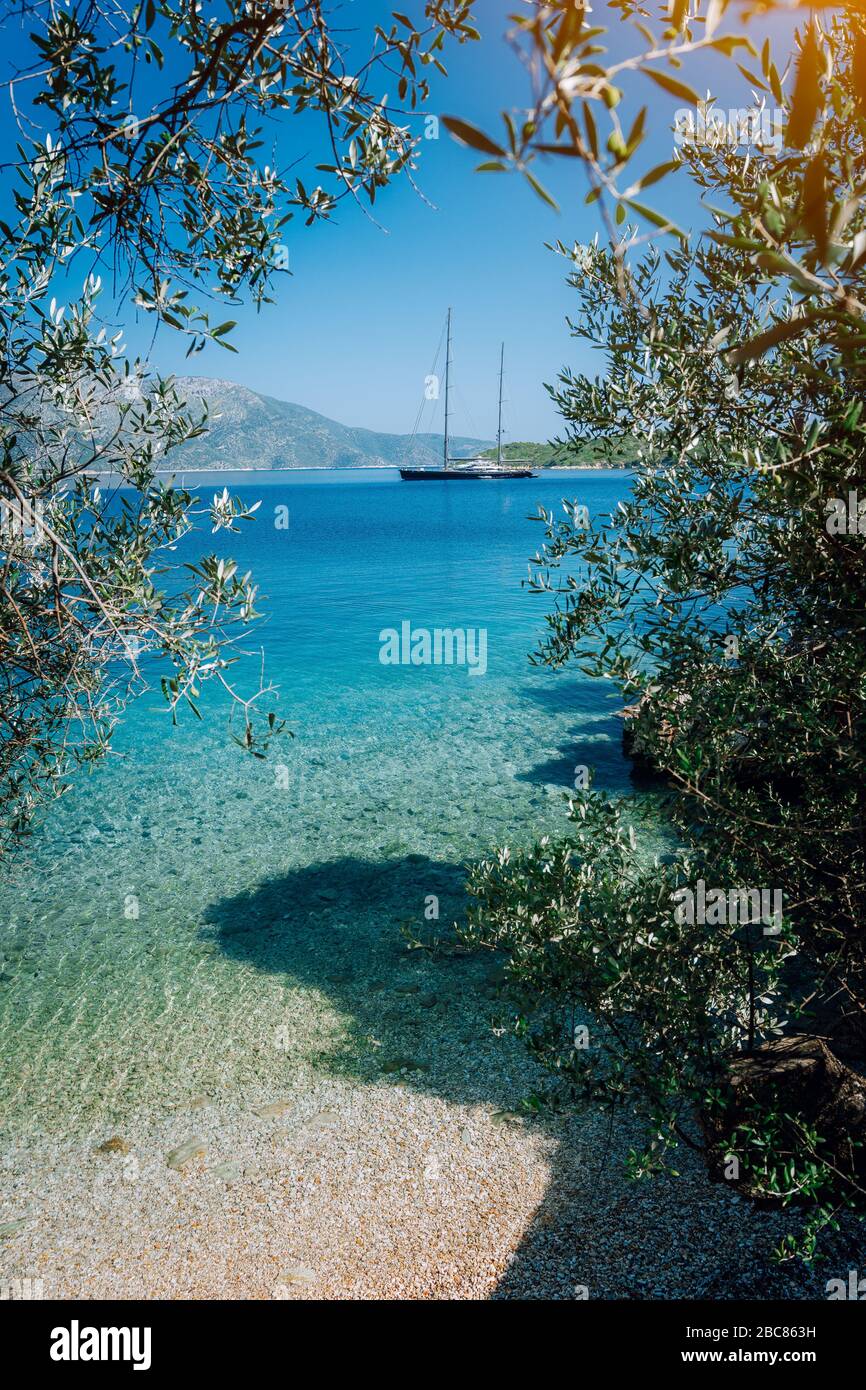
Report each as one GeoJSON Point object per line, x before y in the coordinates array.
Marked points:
{"type": "Point", "coordinates": [21, 520]}
{"type": "Point", "coordinates": [438, 646]}
{"type": "Point", "coordinates": [846, 516]}
{"type": "Point", "coordinates": [77, 1343]}
{"type": "Point", "coordinates": [716, 907]}
{"type": "Point", "coordinates": [854, 1288]}
{"type": "Point", "coordinates": [754, 128]}
{"type": "Point", "coordinates": [26, 1289]}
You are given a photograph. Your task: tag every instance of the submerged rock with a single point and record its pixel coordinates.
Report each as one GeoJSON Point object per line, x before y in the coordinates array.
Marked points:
{"type": "Point", "coordinates": [326, 1119]}
{"type": "Point", "coordinates": [298, 1275]}
{"type": "Point", "coordinates": [12, 1228]}
{"type": "Point", "coordinates": [192, 1148]}
{"type": "Point", "coordinates": [114, 1145]}
{"type": "Point", "coordinates": [392, 847]}
{"type": "Point", "coordinates": [269, 1112]}
{"type": "Point", "coordinates": [395, 1064]}
{"type": "Point", "coordinates": [229, 1172]}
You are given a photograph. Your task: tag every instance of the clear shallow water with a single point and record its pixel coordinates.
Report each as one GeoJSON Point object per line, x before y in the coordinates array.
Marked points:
{"type": "Point", "coordinates": [269, 914]}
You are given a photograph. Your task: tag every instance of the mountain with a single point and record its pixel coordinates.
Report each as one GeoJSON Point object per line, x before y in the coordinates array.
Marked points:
{"type": "Point", "coordinates": [249, 430]}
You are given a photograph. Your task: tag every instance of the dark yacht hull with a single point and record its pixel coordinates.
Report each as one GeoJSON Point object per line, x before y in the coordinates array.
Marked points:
{"type": "Point", "coordinates": [453, 475]}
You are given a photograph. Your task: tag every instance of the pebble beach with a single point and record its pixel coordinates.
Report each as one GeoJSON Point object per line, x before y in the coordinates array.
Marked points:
{"type": "Point", "coordinates": [333, 1188]}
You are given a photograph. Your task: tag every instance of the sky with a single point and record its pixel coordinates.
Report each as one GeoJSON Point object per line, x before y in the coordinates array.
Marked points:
{"type": "Point", "coordinates": [355, 327]}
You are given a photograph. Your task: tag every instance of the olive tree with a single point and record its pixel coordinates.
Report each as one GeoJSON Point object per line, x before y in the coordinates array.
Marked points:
{"type": "Point", "coordinates": [724, 598]}
{"type": "Point", "coordinates": [147, 178]}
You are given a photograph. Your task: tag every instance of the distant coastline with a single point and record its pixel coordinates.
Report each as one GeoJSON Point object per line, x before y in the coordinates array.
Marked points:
{"type": "Point", "coordinates": [246, 432]}
{"type": "Point", "coordinates": [371, 468]}
{"type": "Point", "coordinates": [615, 451]}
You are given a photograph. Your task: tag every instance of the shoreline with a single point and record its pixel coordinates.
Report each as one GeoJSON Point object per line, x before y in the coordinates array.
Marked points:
{"type": "Point", "coordinates": [379, 468]}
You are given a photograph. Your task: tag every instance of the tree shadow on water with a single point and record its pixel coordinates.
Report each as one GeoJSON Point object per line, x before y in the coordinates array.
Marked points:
{"type": "Point", "coordinates": [335, 926]}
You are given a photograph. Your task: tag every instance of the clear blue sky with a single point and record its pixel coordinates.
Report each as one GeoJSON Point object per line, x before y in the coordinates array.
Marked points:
{"type": "Point", "coordinates": [355, 328]}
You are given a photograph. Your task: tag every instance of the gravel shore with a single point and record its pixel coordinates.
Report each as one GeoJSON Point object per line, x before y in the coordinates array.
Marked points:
{"type": "Point", "coordinates": [347, 1128]}
{"type": "Point", "coordinates": [339, 1190]}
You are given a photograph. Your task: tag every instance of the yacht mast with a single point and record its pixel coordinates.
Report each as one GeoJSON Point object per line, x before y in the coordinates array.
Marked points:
{"type": "Point", "coordinates": [447, 375]}
{"type": "Point", "coordinates": [499, 426]}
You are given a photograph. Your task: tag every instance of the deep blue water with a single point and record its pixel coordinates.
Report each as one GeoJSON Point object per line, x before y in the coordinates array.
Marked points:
{"type": "Point", "coordinates": [364, 551]}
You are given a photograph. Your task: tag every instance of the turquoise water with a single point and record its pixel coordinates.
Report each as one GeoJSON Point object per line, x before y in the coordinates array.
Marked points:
{"type": "Point", "coordinates": [187, 905]}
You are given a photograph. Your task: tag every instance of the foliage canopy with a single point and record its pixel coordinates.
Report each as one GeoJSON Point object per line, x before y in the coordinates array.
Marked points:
{"type": "Point", "coordinates": [725, 599]}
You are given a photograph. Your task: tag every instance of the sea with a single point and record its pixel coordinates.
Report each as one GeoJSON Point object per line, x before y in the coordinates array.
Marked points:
{"type": "Point", "coordinates": [178, 919]}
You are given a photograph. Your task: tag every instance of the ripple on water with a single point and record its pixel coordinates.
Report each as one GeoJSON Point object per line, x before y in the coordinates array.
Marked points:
{"type": "Point", "coordinates": [178, 926]}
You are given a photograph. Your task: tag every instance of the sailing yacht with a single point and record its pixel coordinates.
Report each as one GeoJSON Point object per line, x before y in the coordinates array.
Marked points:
{"type": "Point", "coordinates": [468, 468]}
